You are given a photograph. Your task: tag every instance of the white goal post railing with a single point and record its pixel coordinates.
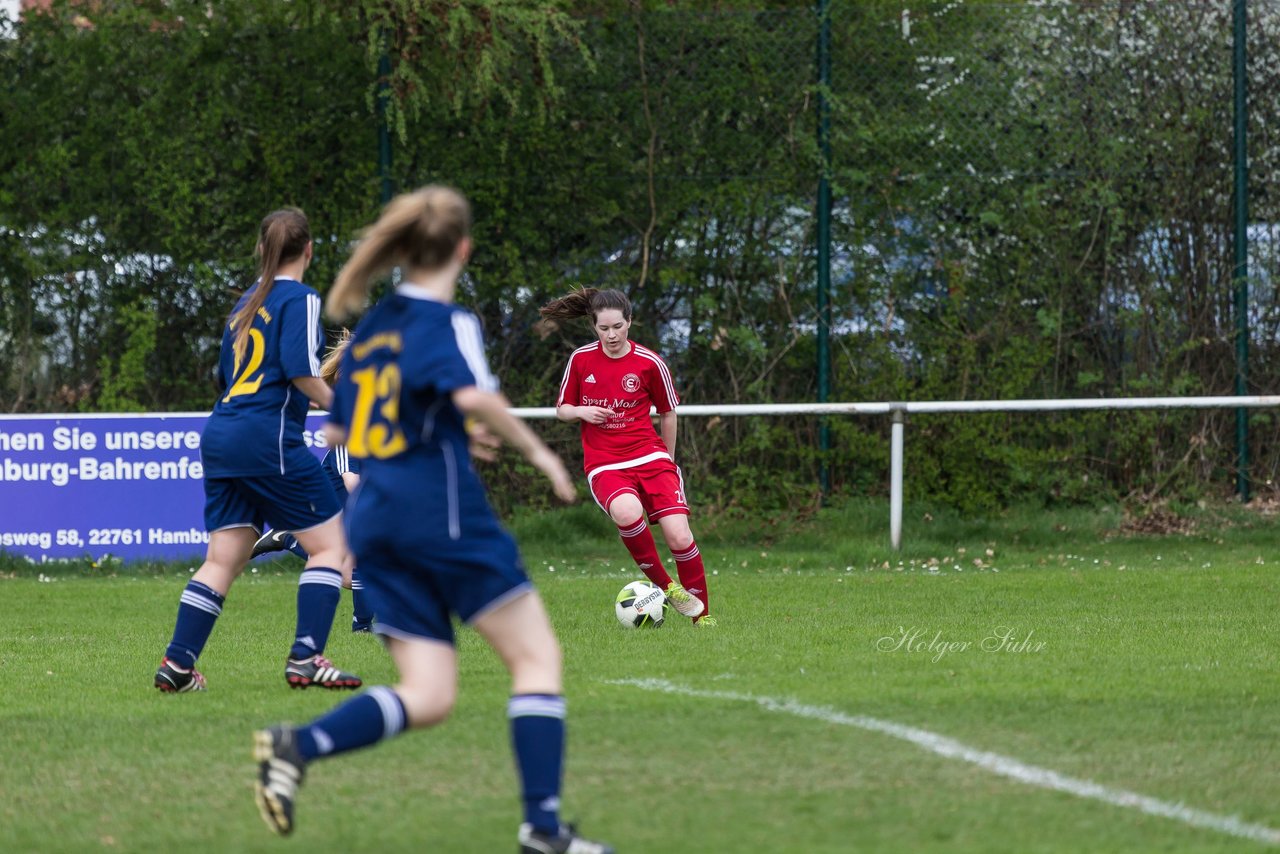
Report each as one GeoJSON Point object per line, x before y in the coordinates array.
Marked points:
{"type": "Point", "coordinates": [898, 411]}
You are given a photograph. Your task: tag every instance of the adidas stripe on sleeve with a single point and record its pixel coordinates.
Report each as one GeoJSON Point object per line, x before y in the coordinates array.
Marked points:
{"type": "Point", "coordinates": [466, 330]}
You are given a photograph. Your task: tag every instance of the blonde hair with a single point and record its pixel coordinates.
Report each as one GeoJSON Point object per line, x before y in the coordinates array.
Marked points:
{"type": "Point", "coordinates": [332, 359]}
{"type": "Point", "coordinates": [421, 229]}
{"type": "Point", "coordinates": [282, 238]}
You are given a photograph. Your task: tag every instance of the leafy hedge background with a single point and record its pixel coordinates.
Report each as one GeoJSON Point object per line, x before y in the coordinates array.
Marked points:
{"type": "Point", "coordinates": [1031, 200]}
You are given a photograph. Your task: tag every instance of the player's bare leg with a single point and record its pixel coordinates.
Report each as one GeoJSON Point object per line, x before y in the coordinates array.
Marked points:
{"type": "Point", "coordinates": [520, 632]}
{"type": "Point", "coordinates": [428, 685]}
{"type": "Point", "coordinates": [200, 607]}
{"type": "Point", "coordinates": [226, 557]}
{"type": "Point", "coordinates": [424, 696]}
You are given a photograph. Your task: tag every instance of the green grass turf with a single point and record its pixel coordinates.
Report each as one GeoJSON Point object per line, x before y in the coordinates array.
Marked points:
{"type": "Point", "coordinates": [1157, 675]}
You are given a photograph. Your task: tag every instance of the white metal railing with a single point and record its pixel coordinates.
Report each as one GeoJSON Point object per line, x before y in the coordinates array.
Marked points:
{"type": "Point", "coordinates": [900, 410]}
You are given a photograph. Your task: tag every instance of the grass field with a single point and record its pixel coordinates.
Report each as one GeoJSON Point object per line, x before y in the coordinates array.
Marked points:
{"type": "Point", "coordinates": [1149, 666]}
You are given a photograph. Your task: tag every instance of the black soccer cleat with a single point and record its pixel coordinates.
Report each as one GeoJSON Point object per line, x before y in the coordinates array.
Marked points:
{"type": "Point", "coordinates": [567, 842]}
{"type": "Point", "coordinates": [364, 627]}
{"type": "Point", "coordinates": [319, 671]}
{"type": "Point", "coordinates": [280, 772]}
{"type": "Point", "coordinates": [172, 679]}
{"type": "Point", "coordinates": [271, 541]}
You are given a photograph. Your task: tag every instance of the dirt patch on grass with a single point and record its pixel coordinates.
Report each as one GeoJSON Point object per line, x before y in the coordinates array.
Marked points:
{"type": "Point", "coordinates": [1157, 520]}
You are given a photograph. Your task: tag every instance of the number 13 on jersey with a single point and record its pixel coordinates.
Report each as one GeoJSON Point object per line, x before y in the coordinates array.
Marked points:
{"type": "Point", "coordinates": [380, 388]}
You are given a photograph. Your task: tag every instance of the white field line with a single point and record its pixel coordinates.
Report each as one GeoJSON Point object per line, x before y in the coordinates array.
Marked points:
{"type": "Point", "coordinates": [1005, 766]}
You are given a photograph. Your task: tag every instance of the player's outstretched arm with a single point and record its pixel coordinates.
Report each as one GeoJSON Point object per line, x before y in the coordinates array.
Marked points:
{"type": "Point", "coordinates": [492, 409]}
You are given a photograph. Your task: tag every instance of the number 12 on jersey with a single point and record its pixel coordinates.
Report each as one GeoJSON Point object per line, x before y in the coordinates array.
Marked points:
{"type": "Point", "coordinates": [246, 382]}
{"type": "Point", "coordinates": [380, 388]}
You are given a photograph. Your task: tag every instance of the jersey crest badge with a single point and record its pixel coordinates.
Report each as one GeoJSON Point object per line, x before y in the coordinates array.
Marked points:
{"type": "Point", "coordinates": [631, 383]}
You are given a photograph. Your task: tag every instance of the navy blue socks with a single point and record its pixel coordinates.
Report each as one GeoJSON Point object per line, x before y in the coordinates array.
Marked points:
{"type": "Point", "coordinates": [198, 610]}
{"type": "Point", "coordinates": [361, 609]}
{"type": "Point", "coordinates": [537, 737]}
{"type": "Point", "coordinates": [319, 589]}
{"type": "Point", "coordinates": [367, 719]}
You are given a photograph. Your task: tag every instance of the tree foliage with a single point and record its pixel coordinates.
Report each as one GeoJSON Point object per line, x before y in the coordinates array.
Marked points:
{"type": "Point", "coordinates": [1032, 200]}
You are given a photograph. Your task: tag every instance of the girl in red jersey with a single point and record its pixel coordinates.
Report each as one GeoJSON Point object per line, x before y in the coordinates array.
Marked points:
{"type": "Point", "coordinates": [609, 387]}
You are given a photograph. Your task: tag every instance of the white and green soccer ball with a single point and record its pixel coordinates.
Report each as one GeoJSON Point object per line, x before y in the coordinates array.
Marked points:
{"type": "Point", "coordinates": [640, 604]}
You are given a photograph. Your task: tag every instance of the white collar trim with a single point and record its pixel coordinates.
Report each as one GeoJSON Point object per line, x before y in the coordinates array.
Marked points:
{"type": "Point", "coordinates": [412, 291]}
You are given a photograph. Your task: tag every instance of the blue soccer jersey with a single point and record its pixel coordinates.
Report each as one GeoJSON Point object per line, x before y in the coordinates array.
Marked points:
{"type": "Point", "coordinates": [257, 423]}
{"type": "Point", "coordinates": [427, 543]}
{"type": "Point", "coordinates": [393, 393]}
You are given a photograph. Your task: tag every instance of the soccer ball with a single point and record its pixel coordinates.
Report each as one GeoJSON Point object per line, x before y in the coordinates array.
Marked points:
{"type": "Point", "coordinates": [640, 604]}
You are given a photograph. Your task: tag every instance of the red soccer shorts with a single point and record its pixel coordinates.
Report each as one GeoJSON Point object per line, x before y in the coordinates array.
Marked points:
{"type": "Point", "coordinates": [659, 486]}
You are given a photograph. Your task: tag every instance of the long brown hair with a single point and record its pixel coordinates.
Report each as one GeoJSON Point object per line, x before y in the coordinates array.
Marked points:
{"type": "Point", "coordinates": [421, 229]}
{"type": "Point", "coordinates": [586, 302]}
{"type": "Point", "coordinates": [283, 237]}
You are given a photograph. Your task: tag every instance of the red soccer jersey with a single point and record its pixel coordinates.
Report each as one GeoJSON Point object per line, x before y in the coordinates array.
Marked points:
{"type": "Point", "coordinates": [629, 386]}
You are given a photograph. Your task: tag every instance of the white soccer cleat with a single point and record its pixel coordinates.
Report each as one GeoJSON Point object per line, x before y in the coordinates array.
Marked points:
{"type": "Point", "coordinates": [685, 603]}
{"type": "Point", "coordinates": [567, 842]}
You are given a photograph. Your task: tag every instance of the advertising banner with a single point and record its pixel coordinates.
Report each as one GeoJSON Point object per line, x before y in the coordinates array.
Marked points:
{"type": "Point", "coordinates": [128, 486]}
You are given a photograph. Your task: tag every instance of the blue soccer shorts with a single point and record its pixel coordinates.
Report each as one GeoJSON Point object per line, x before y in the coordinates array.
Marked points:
{"type": "Point", "coordinates": [414, 592]}
{"type": "Point", "coordinates": [294, 502]}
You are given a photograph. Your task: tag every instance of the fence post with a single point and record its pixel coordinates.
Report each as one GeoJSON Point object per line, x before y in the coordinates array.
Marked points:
{"type": "Point", "coordinates": [824, 238]}
{"type": "Point", "coordinates": [384, 132]}
{"type": "Point", "coordinates": [1241, 271]}
{"type": "Point", "coordinates": [895, 477]}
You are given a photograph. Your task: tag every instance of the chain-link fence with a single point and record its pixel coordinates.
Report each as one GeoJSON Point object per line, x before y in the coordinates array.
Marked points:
{"type": "Point", "coordinates": [1039, 196]}
{"type": "Point", "coordinates": [1030, 200]}
{"type": "Point", "coordinates": [1059, 154]}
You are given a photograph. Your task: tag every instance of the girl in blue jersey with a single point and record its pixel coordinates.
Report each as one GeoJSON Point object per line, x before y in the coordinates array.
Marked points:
{"type": "Point", "coordinates": [257, 468]}
{"type": "Point", "coordinates": [425, 539]}
{"type": "Point", "coordinates": [344, 474]}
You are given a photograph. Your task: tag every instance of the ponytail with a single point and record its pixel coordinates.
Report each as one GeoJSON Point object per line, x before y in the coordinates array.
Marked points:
{"type": "Point", "coordinates": [422, 230]}
{"type": "Point", "coordinates": [283, 237]}
{"type": "Point", "coordinates": [576, 303]}
{"type": "Point", "coordinates": [584, 302]}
